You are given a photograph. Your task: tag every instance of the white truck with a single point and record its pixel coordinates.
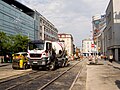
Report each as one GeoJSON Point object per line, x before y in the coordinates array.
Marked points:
{"type": "Point", "coordinates": [47, 54]}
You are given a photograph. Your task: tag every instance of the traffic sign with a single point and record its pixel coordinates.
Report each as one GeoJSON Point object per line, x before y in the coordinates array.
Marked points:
{"type": "Point", "coordinates": [92, 45]}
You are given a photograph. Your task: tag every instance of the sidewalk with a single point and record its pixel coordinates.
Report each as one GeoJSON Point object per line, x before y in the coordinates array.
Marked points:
{"type": "Point", "coordinates": [103, 76]}
{"type": "Point", "coordinates": [8, 73]}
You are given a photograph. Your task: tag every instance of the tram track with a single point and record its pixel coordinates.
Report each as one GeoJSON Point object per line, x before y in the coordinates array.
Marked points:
{"type": "Point", "coordinates": [15, 76]}
{"type": "Point", "coordinates": [20, 79]}
{"type": "Point", "coordinates": [20, 83]}
{"type": "Point", "coordinates": [29, 85]}
{"type": "Point", "coordinates": [50, 82]}
{"type": "Point", "coordinates": [45, 81]}
{"type": "Point", "coordinates": [64, 80]}
{"type": "Point", "coordinates": [77, 76]}
{"type": "Point", "coordinates": [39, 81]}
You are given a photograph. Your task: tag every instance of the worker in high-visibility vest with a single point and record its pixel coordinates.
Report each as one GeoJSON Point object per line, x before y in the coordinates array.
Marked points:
{"type": "Point", "coordinates": [21, 61]}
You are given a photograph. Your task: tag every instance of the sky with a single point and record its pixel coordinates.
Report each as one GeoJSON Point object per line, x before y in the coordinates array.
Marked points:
{"type": "Point", "coordinates": [70, 16]}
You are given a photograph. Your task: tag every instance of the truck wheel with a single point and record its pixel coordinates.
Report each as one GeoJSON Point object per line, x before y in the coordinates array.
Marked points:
{"type": "Point", "coordinates": [52, 66]}
{"type": "Point", "coordinates": [56, 65]}
{"type": "Point", "coordinates": [24, 66]}
{"type": "Point", "coordinates": [63, 63]}
{"type": "Point", "coordinates": [14, 67]}
{"type": "Point", "coordinates": [28, 66]}
{"type": "Point", "coordinates": [35, 67]}
{"type": "Point", "coordinates": [66, 64]}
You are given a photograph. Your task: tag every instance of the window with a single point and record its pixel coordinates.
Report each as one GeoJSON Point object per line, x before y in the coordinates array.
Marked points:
{"type": "Point", "coordinates": [48, 46]}
{"type": "Point", "coordinates": [37, 46]}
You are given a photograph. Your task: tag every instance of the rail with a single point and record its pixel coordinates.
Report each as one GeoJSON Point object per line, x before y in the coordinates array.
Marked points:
{"type": "Point", "coordinates": [39, 76]}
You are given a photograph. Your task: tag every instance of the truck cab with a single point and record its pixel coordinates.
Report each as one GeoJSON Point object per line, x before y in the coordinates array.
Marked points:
{"type": "Point", "coordinates": [46, 54]}
{"type": "Point", "coordinates": [40, 54]}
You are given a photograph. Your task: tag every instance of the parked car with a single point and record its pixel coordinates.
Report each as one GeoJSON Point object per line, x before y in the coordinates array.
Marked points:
{"type": "Point", "coordinates": [20, 61]}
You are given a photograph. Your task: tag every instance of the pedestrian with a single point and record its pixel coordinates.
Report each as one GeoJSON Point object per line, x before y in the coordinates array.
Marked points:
{"type": "Point", "coordinates": [105, 57]}
{"type": "Point", "coordinates": [110, 58]}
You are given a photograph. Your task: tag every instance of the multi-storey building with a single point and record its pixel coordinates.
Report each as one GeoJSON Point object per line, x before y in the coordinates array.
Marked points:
{"type": "Point", "coordinates": [99, 24]}
{"type": "Point", "coordinates": [47, 30]}
{"type": "Point", "coordinates": [87, 48]}
{"type": "Point", "coordinates": [16, 18]}
{"type": "Point", "coordinates": [68, 39]}
{"type": "Point", "coordinates": [112, 31]}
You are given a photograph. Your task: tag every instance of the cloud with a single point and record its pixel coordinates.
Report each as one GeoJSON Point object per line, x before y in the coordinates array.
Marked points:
{"type": "Point", "coordinates": [70, 16]}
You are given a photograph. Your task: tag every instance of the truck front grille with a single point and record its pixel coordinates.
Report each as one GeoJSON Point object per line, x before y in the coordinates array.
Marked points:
{"type": "Point", "coordinates": [35, 55]}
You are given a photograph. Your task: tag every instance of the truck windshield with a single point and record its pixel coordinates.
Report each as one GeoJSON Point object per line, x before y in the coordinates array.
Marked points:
{"type": "Point", "coordinates": [36, 46]}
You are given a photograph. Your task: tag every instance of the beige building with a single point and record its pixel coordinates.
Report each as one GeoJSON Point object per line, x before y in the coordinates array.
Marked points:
{"type": "Point", "coordinates": [87, 48]}
{"type": "Point", "coordinates": [68, 39]}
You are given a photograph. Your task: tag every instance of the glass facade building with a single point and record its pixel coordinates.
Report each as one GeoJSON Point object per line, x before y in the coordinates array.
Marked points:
{"type": "Point", "coordinates": [16, 18]}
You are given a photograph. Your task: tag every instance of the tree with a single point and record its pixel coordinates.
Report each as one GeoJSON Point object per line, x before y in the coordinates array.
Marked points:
{"type": "Point", "coordinates": [3, 40]}
{"type": "Point", "coordinates": [20, 43]}
{"type": "Point", "coordinates": [13, 43]}
{"type": "Point", "coordinates": [5, 45]}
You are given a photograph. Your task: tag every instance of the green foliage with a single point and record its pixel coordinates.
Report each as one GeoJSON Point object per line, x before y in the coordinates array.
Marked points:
{"type": "Point", "coordinates": [20, 43]}
{"type": "Point", "coordinates": [13, 43]}
{"type": "Point", "coordinates": [3, 40]}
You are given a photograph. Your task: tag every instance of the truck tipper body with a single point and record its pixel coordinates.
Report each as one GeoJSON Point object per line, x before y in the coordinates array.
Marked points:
{"type": "Point", "coordinates": [47, 54]}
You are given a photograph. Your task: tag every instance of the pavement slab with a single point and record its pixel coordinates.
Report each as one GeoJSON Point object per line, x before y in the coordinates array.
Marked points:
{"type": "Point", "coordinates": [103, 77]}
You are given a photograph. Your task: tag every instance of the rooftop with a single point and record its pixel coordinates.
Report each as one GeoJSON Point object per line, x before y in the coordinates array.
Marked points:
{"type": "Point", "coordinates": [19, 6]}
